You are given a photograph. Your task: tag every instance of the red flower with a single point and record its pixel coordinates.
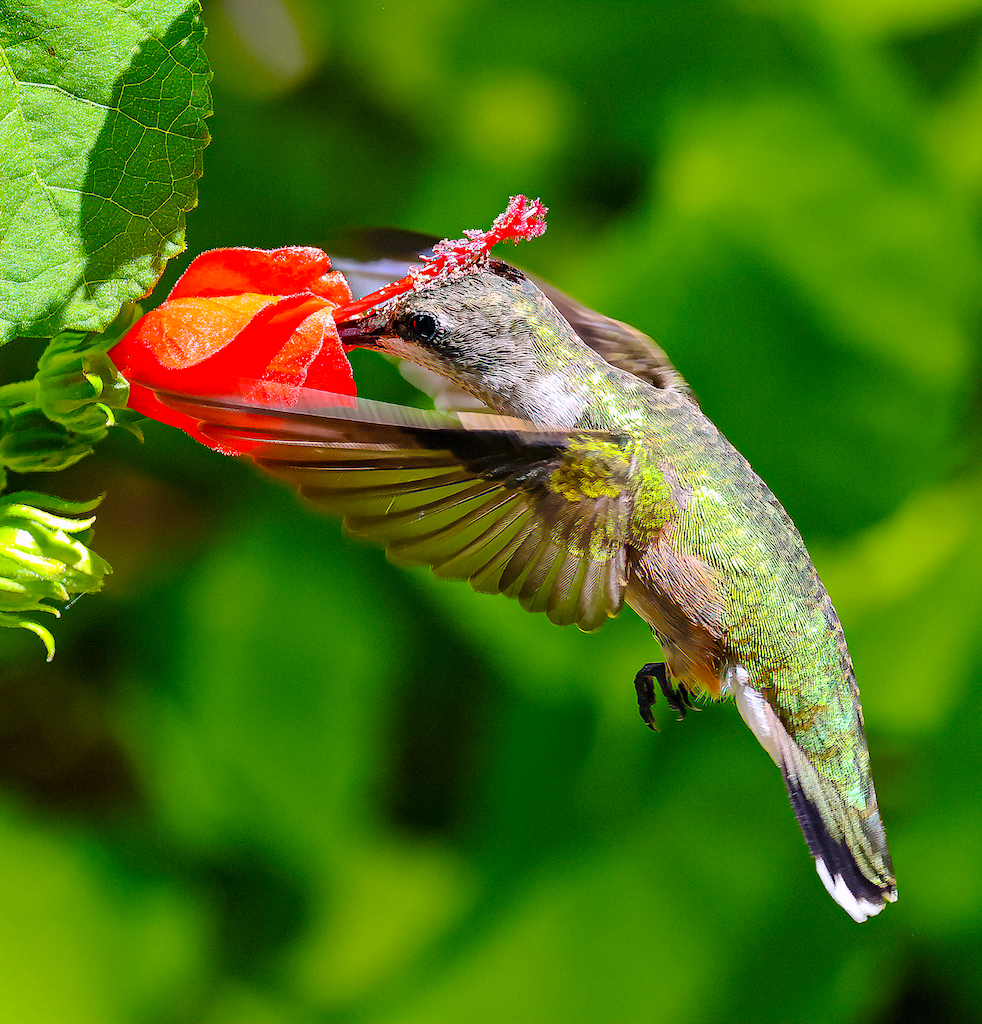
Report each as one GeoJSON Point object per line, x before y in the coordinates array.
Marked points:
{"type": "Point", "coordinates": [245, 322]}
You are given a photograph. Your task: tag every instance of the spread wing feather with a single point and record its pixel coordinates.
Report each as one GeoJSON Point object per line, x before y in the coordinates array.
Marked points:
{"type": "Point", "coordinates": [469, 496]}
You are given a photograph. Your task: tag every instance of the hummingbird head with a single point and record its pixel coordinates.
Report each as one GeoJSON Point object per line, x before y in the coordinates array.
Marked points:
{"type": "Point", "coordinates": [487, 329]}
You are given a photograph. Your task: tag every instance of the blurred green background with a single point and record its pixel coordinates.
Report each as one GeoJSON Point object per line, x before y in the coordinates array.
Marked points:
{"type": "Point", "coordinates": [271, 778]}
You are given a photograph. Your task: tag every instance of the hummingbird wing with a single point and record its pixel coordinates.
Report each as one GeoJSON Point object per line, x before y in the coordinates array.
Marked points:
{"type": "Point", "coordinates": [484, 498]}
{"type": "Point", "coordinates": [620, 344]}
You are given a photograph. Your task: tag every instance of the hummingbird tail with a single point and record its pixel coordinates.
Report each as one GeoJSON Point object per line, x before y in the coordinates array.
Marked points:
{"type": "Point", "coordinates": [849, 845]}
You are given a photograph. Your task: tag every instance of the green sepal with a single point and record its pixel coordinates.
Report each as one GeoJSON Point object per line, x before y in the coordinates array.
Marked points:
{"type": "Point", "coordinates": [31, 443]}
{"type": "Point", "coordinates": [132, 422]}
{"type": "Point", "coordinates": [16, 621]}
{"type": "Point", "coordinates": [51, 503]}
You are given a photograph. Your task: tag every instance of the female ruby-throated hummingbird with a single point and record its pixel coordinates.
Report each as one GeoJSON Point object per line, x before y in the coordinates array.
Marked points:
{"type": "Point", "coordinates": [598, 480]}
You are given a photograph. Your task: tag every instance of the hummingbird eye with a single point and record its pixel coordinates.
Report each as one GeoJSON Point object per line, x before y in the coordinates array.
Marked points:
{"type": "Point", "coordinates": [421, 327]}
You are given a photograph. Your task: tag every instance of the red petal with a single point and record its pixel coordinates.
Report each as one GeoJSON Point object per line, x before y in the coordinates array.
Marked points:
{"type": "Point", "coordinates": [183, 332]}
{"type": "Point", "coordinates": [290, 364]}
{"type": "Point", "coordinates": [330, 370]}
{"type": "Point", "coordinates": [333, 287]}
{"type": "Point", "coordinates": [258, 345]}
{"type": "Point", "coordinates": [245, 356]}
{"type": "Point", "coordinates": [268, 271]}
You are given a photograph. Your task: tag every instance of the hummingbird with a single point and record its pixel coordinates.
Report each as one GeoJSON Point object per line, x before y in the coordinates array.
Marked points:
{"type": "Point", "coordinates": [592, 479]}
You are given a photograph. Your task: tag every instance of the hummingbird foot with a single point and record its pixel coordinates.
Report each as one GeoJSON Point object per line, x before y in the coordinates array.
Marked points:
{"type": "Point", "coordinates": [678, 700]}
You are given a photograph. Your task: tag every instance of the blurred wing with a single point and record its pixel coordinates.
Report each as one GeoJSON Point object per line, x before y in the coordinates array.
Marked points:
{"type": "Point", "coordinates": [620, 344]}
{"type": "Point", "coordinates": [474, 497]}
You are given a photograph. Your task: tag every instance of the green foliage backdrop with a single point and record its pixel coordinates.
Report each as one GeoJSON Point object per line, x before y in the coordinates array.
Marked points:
{"type": "Point", "coordinates": [271, 778]}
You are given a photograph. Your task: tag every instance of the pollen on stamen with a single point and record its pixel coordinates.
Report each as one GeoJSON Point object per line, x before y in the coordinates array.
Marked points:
{"type": "Point", "coordinates": [523, 219]}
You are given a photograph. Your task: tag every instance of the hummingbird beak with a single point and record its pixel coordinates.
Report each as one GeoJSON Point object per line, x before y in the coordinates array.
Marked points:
{"type": "Point", "coordinates": [365, 330]}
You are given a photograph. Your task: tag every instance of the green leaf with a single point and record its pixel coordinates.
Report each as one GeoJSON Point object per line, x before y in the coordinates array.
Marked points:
{"type": "Point", "coordinates": [102, 108]}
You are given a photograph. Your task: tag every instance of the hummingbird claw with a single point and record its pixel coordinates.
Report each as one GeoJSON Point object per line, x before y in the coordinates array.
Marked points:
{"type": "Point", "coordinates": [680, 700]}
{"type": "Point", "coordinates": [646, 691]}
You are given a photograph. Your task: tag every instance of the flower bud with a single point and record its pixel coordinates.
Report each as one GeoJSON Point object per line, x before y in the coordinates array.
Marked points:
{"type": "Point", "coordinates": [52, 421]}
{"type": "Point", "coordinates": [79, 386]}
{"type": "Point", "coordinates": [43, 558]}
